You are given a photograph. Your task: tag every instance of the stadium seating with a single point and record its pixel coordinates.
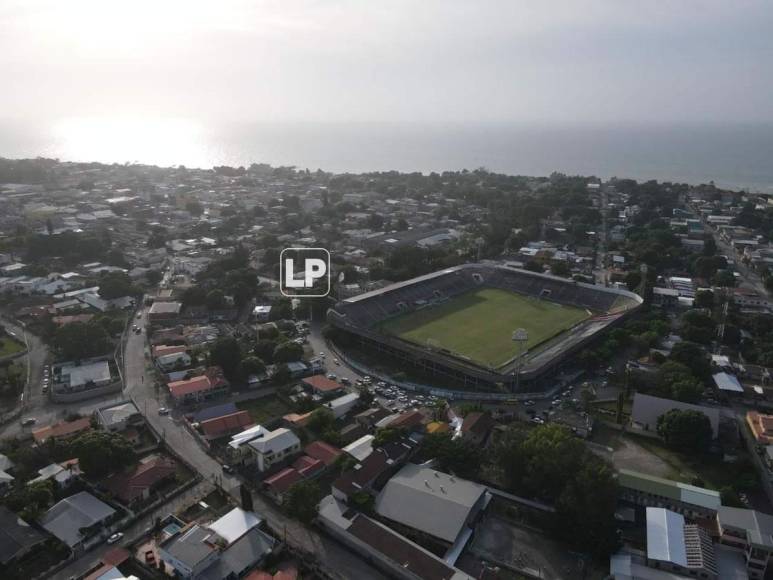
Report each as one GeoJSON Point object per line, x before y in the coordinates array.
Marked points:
{"type": "Point", "coordinates": [442, 286]}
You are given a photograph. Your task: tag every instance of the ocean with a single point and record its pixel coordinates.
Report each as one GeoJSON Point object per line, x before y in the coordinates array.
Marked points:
{"type": "Point", "coordinates": [735, 156]}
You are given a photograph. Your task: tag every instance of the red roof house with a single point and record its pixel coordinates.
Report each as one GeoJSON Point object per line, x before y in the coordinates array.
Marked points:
{"type": "Point", "coordinates": [322, 385]}
{"type": "Point", "coordinates": [308, 466]}
{"type": "Point", "coordinates": [138, 484]}
{"type": "Point", "coordinates": [325, 452]}
{"type": "Point", "coordinates": [226, 425]}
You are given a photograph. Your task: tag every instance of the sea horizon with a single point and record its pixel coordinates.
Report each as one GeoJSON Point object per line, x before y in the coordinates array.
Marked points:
{"type": "Point", "coordinates": [736, 156]}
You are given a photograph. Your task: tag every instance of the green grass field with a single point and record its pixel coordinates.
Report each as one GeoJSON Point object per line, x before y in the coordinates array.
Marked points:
{"type": "Point", "coordinates": [9, 346]}
{"type": "Point", "coordinates": [480, 324]}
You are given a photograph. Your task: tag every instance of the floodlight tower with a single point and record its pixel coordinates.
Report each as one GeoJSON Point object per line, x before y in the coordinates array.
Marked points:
{"type": "Point", "coordinates": [520, 336]}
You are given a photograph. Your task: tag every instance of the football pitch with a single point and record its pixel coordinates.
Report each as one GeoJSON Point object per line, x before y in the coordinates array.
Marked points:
{"type": "Point", "coordinates": [479, 324]}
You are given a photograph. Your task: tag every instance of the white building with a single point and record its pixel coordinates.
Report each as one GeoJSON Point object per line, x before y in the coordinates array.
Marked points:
{"type": "Point", "coordinates": [274, 447]}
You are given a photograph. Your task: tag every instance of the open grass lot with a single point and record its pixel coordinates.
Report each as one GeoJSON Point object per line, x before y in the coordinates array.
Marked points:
{"type": "Point", "coordinates": [479, 324]}
{"type": "Point", "coordinates": [9, 346]}
{"type": "Point", "coordinates": [264, 409]}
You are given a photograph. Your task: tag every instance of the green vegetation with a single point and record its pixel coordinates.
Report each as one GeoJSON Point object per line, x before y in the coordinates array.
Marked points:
{"type": "Point", "coordinates": [264, 409]}
{"type": "Point", "coordinates": [688, 431]}
{"type": "Point", "coordinates": [458, 456]}
{"type": "Point", "coordinates": [479, 324]}
{"type": "Point", "coordinates": [302, 499]}
{"type": "Point", "coordinates": [9, 346]}
{"type": "Point", "coordinates": [549, 463]}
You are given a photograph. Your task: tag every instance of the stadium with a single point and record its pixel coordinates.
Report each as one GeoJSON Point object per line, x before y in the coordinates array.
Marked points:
{"type": "Point", "coordinates": [457, 325]}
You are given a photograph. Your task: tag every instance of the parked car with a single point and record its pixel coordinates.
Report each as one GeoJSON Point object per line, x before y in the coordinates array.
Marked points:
{"type": "Point", "coordinates": [116, 537]}
{"type": "Point", "coordinates": [150, 557]}
{"type": "Point", "coordinates": [228, 469]}
{"type": "Point", "coordinates": [28, 421]}
{"type": "Point", "coordinates": [163, 411]}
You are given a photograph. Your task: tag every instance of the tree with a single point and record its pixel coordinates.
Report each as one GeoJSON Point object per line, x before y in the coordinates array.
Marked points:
{"type": "Point", "coordinates": [704, 299]}
{"type": "Point", "coordinates": [458, 456]}
{"type": "Point", "coordinates": [252, 365]}
{"type": "Point", "coordinates": [78, 340]}
{"type": "Point", "coordinates": [194, 208]}
{"type": "Point", "coordinates": [533, 266]}
{"type": "Point", "coordinates": [288, 351]}
{"type": "Point", "coordinates": [216, 299]}
{"type": "Point", "coordinates": [692, 356]}
{"type": "Point", "coordinates": [384, 436]}
{"type": "Point", "coordinates": [724, 278]}
{"type": "Point", "coordinates": [685, 430]}
{"type": "Point", "coordinates": [227, 354]}
{"type": "Point", "coordinates": [585, 509]}
{"type": "Point", "coordinates": [302, 499]}
{"type": "Point", "coordinates": [264, 349]}
{"type": "Point", "coordinates": [100, 452]}
{"type": "Point", "coordinates": [321, 420]}
{"type": "Point", "coordinates": [116, 285]}
{"type": "Point", "coordinates": [558, 268]}
{"type": "Point", "coordinates": [540, 463]}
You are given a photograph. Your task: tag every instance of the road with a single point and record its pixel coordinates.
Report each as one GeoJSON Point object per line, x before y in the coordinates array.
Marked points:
{"type": "Point", "coordinates": [90, 559]}
{"type": "Point", "coordinates": [140, 386]}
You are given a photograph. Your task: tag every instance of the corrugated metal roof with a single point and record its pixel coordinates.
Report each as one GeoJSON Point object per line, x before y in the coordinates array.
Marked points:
{"type": "Point", "coordinates": [665, 536]}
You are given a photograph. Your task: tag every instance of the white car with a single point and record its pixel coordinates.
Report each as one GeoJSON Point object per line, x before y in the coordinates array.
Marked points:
{"type": "Point", "coordinates": [163, 411]}
{"type": "Point", "coordinates": [322, 354]}
{"type": "Point", "coordinates": [115, 538]}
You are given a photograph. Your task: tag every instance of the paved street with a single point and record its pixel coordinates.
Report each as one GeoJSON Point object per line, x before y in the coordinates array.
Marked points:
{"type": "Point", "coordinates": [136, 530]}
{"type": "Point", "coordinates": [328, 552]}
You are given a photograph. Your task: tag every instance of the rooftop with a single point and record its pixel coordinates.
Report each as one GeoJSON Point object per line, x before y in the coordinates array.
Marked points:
{"type": "Point", "coordinates": [690, 494]}
{"type": "Point", "coordinates": [235, 524]}
{"type": "Point", "coordinates": [428, 500]}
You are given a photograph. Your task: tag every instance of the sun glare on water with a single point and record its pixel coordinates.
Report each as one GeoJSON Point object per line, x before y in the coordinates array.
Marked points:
{"type": "Point", "coordinates": [132, 140]}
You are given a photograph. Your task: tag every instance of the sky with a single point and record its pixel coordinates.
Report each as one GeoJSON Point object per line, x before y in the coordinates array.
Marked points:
{"type": "Point", "coordinates": [563, 61]}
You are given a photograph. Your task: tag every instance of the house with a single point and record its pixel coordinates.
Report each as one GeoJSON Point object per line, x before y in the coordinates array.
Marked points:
{"type": "Point", "coordinates": [677, 547]}
{"type": "Point", "coordinates": [361, 448]}
{"type": "Point", "coordinates": [17, 537]}
{"type": "Point", "coordinates": [166, 350]}
{"type": "Point", "coordinates": [213, 412]}
{"type": "Point", "coordinates": [647, 410]}
{"type": "Point", "coordinates": [161, 312]}
{"type": "Point", "coordinates": [340, 406]}
{"type": "Point", "coordinates": [138, 484]}
{"type": "Point", "coordinates": [750, 533]}
{"type": "Point", "coordinates": [62, 430]}
{"type": "Point", "coordinates": [321, 385]}
{"type": "Point", "coordinates": [227, 548]}
{"type": "Point", "coordinates": [393, 553]}
{"type": "Point", "coordinates": [650, 491]}
{"type": "Point", "coordinates": [326, 453]}
{"type": "Point", "coordinates": [67, 519]}
{"type": "Point", "coordinates": [119, 417]}
{"type": "Point", "coordinates": [477, 426]}
{"type": "Point", "coordinates": [279, 483]}
{"type": "Point", "coordinates": [261, 313]}
{"type": "Point", "coordinates": [77, 377]}
{"type": "Point", "coordinates": [274, 447]}
{"type": "Point", "coordinates": [369, 417]}
{"type": "Point", "coordinates": [199, 388]}
{"type": "Point", "coordinates": [175, 360]}
{"type": "Point", "coordinates": [439, 505]}
{"type": "Point", "coordinates": [370, 473]}
{"type": "Point", "coordinates": [225, 425]}
{"type": "Point", "coordinates": [761, 426]}
{"type": "Point", "coordinates": [409, 421]}
{"type": "Point", "coordinates": [61, 474]}
{"type": "Point", "coordinates": [727, 383]}
{"type": "Point", "coordinates": [352, 432]}
{"type": "Point", "coordinates": [295, 420]}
